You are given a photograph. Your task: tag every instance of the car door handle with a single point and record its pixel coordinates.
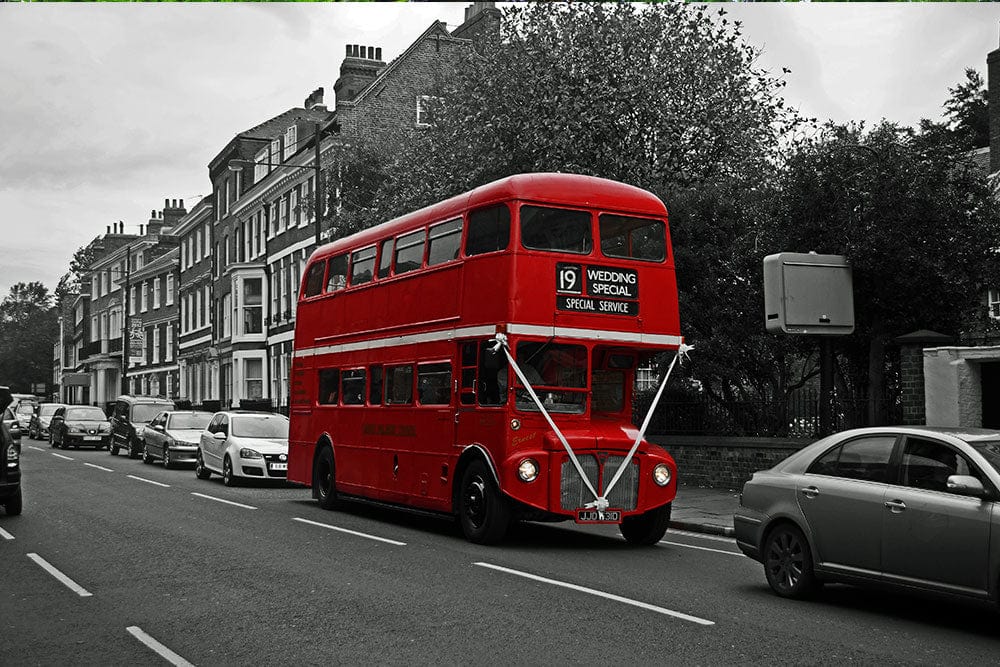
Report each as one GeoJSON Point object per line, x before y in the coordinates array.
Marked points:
{"type": "Point", "coordinates": [810, 492]}
{"type": "Point", "coordinates": [895, 506]}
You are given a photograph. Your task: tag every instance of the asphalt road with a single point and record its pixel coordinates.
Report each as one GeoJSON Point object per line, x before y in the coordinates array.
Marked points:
{"type": "Point", "coordinates": [152, 572]}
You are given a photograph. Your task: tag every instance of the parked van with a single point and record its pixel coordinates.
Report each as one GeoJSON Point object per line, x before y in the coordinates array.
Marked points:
{"type": "Point", "coordinates": [129, 417]}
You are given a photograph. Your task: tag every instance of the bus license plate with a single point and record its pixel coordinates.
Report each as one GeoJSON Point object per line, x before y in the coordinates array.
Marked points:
{"type": "Point", "coordinates": [279, 466]}
{"type": "Point", "coordinates": [593, 516]}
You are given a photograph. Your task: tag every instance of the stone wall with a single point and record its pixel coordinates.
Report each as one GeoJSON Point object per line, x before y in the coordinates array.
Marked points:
{"type": "Point", "coordinates": [724, 462]}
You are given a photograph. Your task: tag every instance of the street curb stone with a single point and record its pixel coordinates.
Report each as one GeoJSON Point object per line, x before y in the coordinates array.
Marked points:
{"type": "Point", "coordinates": [703, 528]}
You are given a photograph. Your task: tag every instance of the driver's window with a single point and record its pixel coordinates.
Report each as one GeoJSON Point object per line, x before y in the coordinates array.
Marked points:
{"type": "Point", "coordinates": [928, 464]}
{"type": "Point", "coordinates": [224, 425]}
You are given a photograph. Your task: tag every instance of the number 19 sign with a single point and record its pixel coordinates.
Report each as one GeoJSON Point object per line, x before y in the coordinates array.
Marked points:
{"type": "Point", "coordinates": [597, 289]}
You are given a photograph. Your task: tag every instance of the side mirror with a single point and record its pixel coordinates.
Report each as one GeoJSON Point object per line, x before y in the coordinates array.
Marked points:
{"type": "Point", "coordinates": [219, 435]}
{"type": "Point", "coordinates": [965, 485]}
{"type": "Point", "coordinates": [158, 427]}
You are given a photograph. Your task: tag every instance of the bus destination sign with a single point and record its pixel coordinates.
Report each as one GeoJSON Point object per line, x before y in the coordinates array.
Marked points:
{"type": "Point", "coordinates": [597, 289]}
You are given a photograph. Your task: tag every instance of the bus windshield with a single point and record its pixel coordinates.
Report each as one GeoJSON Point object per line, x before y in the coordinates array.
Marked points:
{"type": "Point", "coordinates": [557, 373]}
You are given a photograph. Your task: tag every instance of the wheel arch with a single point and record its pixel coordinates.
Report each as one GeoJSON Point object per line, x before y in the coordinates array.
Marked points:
{"type": "Point", "coordinates": [471, 453]}
{"type": "Point", "coordinates": [785, 520]}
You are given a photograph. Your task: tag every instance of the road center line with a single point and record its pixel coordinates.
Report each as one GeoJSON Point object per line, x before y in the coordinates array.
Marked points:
{"type": "Point", "coordinates": [69, 583]}
{"type": "Point", "coordinates": [94, 465]}
{"type": "Point", "coordinates": [37, 449]}
{"type": "Point", "coordinates": [5, 535]}
{"type": "Point", "coordinates": [702, 536]}
{"type": "Point", "coordinates": [608, 596]}
{"type": "Point", "coordinates": [160, 649]}
{"type": "Point", "coordinates": [351, 532]}
{"type": "Point", "coordinates": [223, 500]}
{"type": "Point", "coordinates": [68, 458]}
{"type": "Point", "coordinates": [148, 481]}
{"type": "Point", "coordinates": [692, 546]}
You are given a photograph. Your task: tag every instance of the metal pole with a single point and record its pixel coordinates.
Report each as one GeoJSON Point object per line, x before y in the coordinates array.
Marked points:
{"type": "Point", "coordinates": [317, 204]}
{"type": "Point", "coordinates": [825, 386]}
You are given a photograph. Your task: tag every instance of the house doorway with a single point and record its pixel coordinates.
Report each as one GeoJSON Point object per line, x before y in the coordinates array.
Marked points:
{"type": "Point", "coordinates": [990, 375]}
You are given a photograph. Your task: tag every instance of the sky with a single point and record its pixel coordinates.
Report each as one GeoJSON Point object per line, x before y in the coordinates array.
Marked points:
{"type": "Point", "coordinates": [108, 109]}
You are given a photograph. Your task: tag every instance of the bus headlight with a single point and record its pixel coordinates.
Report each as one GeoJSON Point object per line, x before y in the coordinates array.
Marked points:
{"type": "Point", "coordinates": [528, 470]}
{"type": "Point", "coordinates": [661, 474]}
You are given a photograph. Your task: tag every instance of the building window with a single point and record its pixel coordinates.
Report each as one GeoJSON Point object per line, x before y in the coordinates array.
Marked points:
{"type": "Point", "coordinates": [993, 304]}
{"type": "Point", "coordinates": [424, 110]}
{"type": "Point", "coordinates": [293, 206]}
{"type": "Point", "coordinates": [156, 292]}
{"type": "Point", "coordinates": [156, 345]}
{"type": "Point", "coordinates": [227, 323]}
{"type": "Point", "coordinates": [291, 142]}
{"type": "Point", "coordinates": [253, 306]}
{"type": "Point", "coordinates": [169, 356]}
{"type": "Point", "coordinates": [206, 306]}
{"type": "Point", "coordinates": [170, 289]}
{"type": "Point", "coordinates": [253, 377]}
{"type": "Point", "coordinates": [229, 194]}
{"type": "Point", "coordinates": [133, 300]}
{"type": "Point", "coordinates": [260, 167]}
{"type": "Point", "coordinates": [144, 295]}
{"type": "Point", "coordinates": [276, 150]}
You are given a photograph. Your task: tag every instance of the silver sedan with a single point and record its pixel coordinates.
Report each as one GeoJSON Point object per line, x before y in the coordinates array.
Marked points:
{"type": "Point", "coordinates": [914, 507]}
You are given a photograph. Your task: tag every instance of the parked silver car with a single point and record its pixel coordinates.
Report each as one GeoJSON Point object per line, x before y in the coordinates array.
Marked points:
{"type": "Point", "coordinates": [914, 507]}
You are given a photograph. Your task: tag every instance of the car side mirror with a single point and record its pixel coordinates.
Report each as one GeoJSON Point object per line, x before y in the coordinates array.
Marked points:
{"type": "Point", "coordinates": [158, 427]}
{"type": "Point", "coordinates": [219, 435]}
{"type": "Point", "coordinates": [965, 485]}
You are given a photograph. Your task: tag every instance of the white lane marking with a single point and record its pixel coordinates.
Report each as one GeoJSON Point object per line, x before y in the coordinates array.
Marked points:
{"type": "Point", "coordinates": [69, 583]}
{"type": "Point", "coordinates": [608, 596]}
{"type": "Point", "coordinates": [148, 481]}
{"type": "Point", "coordinates": [223, 500]}
{"type": "Point", "coordinates": [5, 535]}
{"type": "Point", "coordinates": [160, 649]}
{"type": "Point", "coordinates": [94, 465]}
{"type": "Point", "coordinates": [692, 546]}
{"type": "Point", "coordinates": [63, 457]}
{"type": "Point", "coordinates": [351, 532]}
{"type": "Point", "coordinates": [702, 536]}
{"type": "Point", "coordinates": [37, 449]}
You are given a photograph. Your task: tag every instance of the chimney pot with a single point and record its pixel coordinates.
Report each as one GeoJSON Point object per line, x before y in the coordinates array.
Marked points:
{"type": "Point", "coordinates": [378, 53]}
{"type": "Point", "coordinates": [348, 52]}
{"type": "Point", "coordinates": [181, 203]}
{"type": "Point", "coordinates": [152, 213]}
{"type": "Point", "coordinates": [371, 53]}
{"type": "Point", "coordinates": [109, 229]}
{"type": "Point", "coordinates": [166, 203]}
{"type": "Point", "coordinates": [140, 230]}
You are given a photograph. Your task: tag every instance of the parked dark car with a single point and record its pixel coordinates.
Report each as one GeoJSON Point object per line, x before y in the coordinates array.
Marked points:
{"type": "Point", "coordinates": [173, 436]}
{"type": "Point", "coordinates": [13, 425]}
{"type": "Point", "coordinates": [917, 508]}
{"type": "Point", "coordinates": [129, 418]}
{"type": "Point", "coordinates": [38, 428]}
{"type": "Point", "coordinates": [10, 461]}
{"type": "Point", "coordinates": [79, 426]}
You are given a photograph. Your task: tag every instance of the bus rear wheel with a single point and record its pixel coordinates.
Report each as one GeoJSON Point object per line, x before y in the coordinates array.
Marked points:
{"type": "Point", "coordinates": [324, 481]}
{"type": "Point", "coordinates": [648, 528]}
{"type": "Point", "coordinates": [483, 512]}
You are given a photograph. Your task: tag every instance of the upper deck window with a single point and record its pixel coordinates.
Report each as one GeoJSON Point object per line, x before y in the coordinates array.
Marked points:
{"type": "Point", "coordinates": [633, 238]}
{"type": "Point", "coordinates": [444, 242]}
{"type": "Point", "coordinates": [410, 252]}
{"type": "Point", "coordinates": [314, 279]}
{"type": "Point", "coordinates": [363, 266]}
{"type": "Point", "coordinates": [336, 277]}
{"type": "Point", "coordinates": [556, 229]}
{"type": "Point", "coordinates": [385, 258]}
{"type": "Point", "coordinates": [489, 230]}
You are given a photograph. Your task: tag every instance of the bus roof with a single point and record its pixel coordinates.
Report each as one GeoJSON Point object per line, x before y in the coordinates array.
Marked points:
{"type": "Point", "coordinates": [553, 188]}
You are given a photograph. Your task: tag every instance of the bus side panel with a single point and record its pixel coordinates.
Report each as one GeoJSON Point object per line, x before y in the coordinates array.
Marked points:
{"type": "Point", "coordinates": [301, 439]}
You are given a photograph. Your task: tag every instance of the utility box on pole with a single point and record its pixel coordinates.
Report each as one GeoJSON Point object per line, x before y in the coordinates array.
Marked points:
{"type": "Point", "coordinates": [806, 293]}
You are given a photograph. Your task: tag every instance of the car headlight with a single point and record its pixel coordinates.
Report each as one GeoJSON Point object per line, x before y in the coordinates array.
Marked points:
{"type": "Point", "coordinates": [140, 431]}
{"type": "Point", "coordinates": [661, 474]}
{"type": "Point", "coordinates": [104, 428]}
{"type": "Point", "coordinates": [247, 453]}
{"type": "Point", "coordinates": [12, 457]}
{"type": "Point", "coordinates": [527, 470]}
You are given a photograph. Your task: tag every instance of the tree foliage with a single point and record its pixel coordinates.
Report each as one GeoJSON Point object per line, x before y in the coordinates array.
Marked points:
{"type": "Point", "coordinates": [28, 327]}
{"type": "Point", "coordinates": [967, 124]}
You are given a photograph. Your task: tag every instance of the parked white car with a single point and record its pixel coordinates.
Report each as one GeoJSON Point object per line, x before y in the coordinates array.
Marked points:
{"type": "Point", "coordinates": [244, 445]}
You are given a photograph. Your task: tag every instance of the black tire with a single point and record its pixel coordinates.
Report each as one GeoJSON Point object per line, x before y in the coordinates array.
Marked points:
{"type": "Point", "coordinates": [13, 504]}
{"type": "Point", "coordinates": [33, 435]}
{"type": "Point", "coordinates": [648, 528]}
{"type": "Point", "coordinates": [200, 471]}
{"type": "Point", "coordinates": [483, 513]}
{"type": "Point", "coordinates": [167, 463]}
{"type": "Point", "coordinates": [324, 480]}
{"type": "Point", "coordinates": [52, 441]}
{"type": "Point", "coordinates": [146, 458]}
{"type": "Point", "coordinates": [113, 448]}
{"type": "Point", "coordinates": [788, 563]}
{"type": "Point", "coordinates": [134, 451]}
{"type": "Point", "coordinates": [229, 477]}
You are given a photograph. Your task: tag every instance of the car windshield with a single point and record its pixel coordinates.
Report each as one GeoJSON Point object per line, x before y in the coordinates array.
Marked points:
{"type": "Point", "coordinates": [85, 413]}
{"type": "Point", "coordinates": [25, 408]}
{"type": "Point", "coordinates": [260, 426]}
{"type": "Point", "coordinates": [143, 413]}
{"type": "Point", "coordinates": [47, 410]}
{"type": "Point", "coordinates": [189, 421]}
{"type": "Point", "coordinates": [990, 450]}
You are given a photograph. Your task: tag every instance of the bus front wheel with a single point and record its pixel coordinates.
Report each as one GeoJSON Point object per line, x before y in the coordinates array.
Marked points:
{"type": "Point", "coordinates": [647, 528]}
{"type": "Point", "coordinates": [323, 479]}
{"type": "Point", "coordinates": [482, 511]}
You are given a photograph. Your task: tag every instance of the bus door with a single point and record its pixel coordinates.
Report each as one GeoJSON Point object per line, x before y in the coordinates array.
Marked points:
{"type": "Point", "coordinates": [436, 430]}
{"type": "Point", "coordinates": [480, 417]}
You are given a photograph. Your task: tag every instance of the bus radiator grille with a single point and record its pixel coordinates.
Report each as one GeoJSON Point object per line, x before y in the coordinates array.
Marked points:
{"type": "Point", "coordinates": [574, 494]}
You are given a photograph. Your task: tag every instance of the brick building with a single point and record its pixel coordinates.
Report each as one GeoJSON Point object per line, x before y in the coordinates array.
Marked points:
{"type": "Point", "coordinates": [198, 367]}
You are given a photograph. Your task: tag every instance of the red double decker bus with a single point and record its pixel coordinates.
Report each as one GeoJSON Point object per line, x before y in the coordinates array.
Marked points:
{"type": "Point", "coordinates": [477, 357]}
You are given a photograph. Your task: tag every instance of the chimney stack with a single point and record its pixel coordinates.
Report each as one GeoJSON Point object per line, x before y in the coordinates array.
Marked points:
{"type": "Point", "coordinates": [315, 100]}
{"type": "Point", "coordinates": [361, 65]}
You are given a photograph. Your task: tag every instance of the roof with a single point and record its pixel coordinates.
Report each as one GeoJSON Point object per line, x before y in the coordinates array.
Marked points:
{"type": "Point", "coordinates": [550, 188]}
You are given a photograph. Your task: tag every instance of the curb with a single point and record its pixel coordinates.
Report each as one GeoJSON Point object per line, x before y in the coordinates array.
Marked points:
{"type": "Point", "coordinates": [706, 528]}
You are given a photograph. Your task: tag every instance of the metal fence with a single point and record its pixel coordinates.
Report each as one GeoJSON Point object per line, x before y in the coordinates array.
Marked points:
{"type": "Point", "coordinates": [795, 417]}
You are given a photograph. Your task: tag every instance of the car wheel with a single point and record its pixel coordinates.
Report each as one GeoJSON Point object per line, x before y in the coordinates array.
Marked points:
{"type": "Point", "coordinates": [647, 528]}
{"type": "Point", "coordinates": [167, 463]}
{"type": "Point", "coordinates": [52, 442]}
{"type": "Point", "coordinates": [113, 449]}
{"type": "Point", "coordinates": [13, 504]}
{"type": "Point", "coordinates": [32, 434]}
{"type": "Point", "coordinates": [483, 512]}
{"type": "Point", "coordinates": [146, 458]}
{"type": "Point", "coordinates": [324, 481]}
{"type": "Point", "coordinates": [228, 477]}
{"type": "Point", "coordinates": [788, 563]}
{"type": "Point", "coordinates": [200, 471]}
{"type": "Point", "coordinates": [133, 449]}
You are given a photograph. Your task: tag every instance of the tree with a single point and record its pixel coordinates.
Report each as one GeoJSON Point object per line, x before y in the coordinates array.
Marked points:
{"type": "Point", "coordinates": [967, 113]}
{"type": "Point", "coordinates": [79, 265]}
{"type": "Point", "coordinates": [918, 224]}
{"type": "Point", "coordinates": [27, 328]}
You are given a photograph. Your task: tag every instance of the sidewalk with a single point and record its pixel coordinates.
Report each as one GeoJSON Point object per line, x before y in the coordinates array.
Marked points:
{"type": "Point", "coordinates": [704, 510]}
